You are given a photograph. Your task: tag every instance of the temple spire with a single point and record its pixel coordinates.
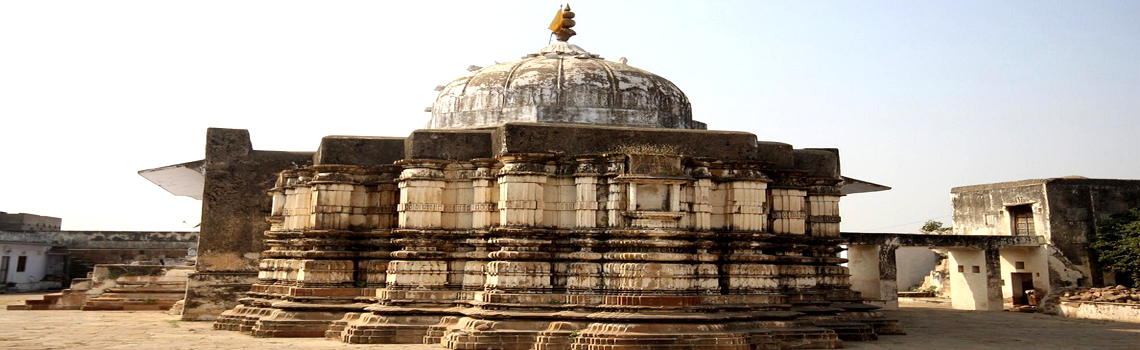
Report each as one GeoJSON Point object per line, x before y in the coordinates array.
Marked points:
{"type": "Point", "coordinates": [563, 21]}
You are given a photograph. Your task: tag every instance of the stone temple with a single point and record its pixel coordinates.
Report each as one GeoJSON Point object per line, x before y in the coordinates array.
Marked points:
{"type": "Point", "coordinates": [560, 201]}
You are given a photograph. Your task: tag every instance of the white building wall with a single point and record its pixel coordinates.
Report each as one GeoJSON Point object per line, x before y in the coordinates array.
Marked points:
{"type": "Point", "coordinates": [1036, 262]}
{"type": "Point", "coordinates": [863, 262]}
{"type": "Point", "coordinates": [968, 285]}
{"type": "Point", "coordinates": [913, 264]}
{"type": "Point", "coordinates": [34, 270]}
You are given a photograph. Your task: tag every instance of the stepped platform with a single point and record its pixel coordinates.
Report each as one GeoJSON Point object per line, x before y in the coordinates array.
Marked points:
{"type": "Point", "coordinates": [118, 287]}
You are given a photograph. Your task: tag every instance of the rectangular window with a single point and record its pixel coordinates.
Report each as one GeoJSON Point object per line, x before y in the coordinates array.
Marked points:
{"type": "Point", "coordinates": [1022, 218]}
{"type": "Point", "coordinates": [1019, 265]}
{"type": "Point", "coordinates": [961, 269]}
{"type": "Point", "coordinates": [21, 263]}
{"type": "Point", "coordinates": [976, 269]}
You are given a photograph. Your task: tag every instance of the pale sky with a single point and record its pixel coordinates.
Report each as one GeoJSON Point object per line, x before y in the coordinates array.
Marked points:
{"type": "Point", "coordinates": [921, 96]}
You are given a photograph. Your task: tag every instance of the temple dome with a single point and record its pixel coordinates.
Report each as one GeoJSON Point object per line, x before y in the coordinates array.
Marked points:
{"type": "Point", "coordinates": [562, 83]}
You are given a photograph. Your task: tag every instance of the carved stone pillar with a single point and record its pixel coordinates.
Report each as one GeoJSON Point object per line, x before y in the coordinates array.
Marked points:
{"type": "Point", "coordinates": [823, 208]}
{"type": "Point", "coordinates": [520, 189]}
{"type": "Point", "coordinates": [615, 192]}
{"type": "Point", "coordinates": [296, 209]}
{"type": "Point", "coordinates": [457, 196]}
{"type": "Point", "coordinates": [698, 196]}
{"type": "Point", "coordinates": [276, 216]}
{"type": "Point", "coordinates": [332, 197]}
{"type": "Point", "coordinates": [421, 189]}
{"type": "Point", "coordinates": [788, 215]}
{"type": "Point", "coordinates": [746, 198]}
{"type": "Point", "coordinates": [586, 193]}
{"type": "Point", "coordinates": [384, 198]}
{"type": "Point", "coordinates": [485, 195]}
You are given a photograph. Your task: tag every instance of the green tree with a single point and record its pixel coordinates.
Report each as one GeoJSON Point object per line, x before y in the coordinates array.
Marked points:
{"type": "Point", "coordinates": [1115, 245]}
{"type": "Point", "coordinates": [932, 226]}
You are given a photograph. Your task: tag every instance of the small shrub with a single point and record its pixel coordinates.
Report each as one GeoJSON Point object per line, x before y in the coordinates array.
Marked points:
{"type": "Point", "coordinates": [1116, 244]}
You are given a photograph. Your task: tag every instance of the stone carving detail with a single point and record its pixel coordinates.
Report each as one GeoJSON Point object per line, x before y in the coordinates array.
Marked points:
{"type": "Point", "coordinates": [521, 253]}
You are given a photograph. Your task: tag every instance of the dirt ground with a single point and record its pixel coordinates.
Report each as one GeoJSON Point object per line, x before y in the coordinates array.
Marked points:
{"type": "Point", "coordinates": [929, 326]}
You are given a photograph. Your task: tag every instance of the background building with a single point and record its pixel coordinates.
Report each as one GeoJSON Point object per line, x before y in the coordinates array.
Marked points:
{"type": "Point", "coordinates": [36, 255]}
{"type": "Point", "coordinates": [28, 222]}
{"type": "Point", "coordinates": [1063, 212]}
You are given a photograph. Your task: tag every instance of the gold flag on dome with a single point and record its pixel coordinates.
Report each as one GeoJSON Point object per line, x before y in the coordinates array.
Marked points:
{"type": "Point", "coordinates": [556, 24]}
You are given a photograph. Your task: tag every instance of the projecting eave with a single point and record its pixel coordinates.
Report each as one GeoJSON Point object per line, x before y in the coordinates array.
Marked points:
{"type": "Point", "coordinates": [852, 186]}
{"type": "Point", "coordinates": [186, 179]}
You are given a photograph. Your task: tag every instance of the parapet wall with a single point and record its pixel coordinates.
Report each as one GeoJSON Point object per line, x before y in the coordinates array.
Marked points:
{"type": "Point", "coordinates": [107, 239]}
{"type": "Point", "coordinates": [1101, 311]}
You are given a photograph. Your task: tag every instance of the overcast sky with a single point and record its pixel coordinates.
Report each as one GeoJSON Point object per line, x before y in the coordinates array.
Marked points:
{"type": "Point", "coordinates": [921, 96]}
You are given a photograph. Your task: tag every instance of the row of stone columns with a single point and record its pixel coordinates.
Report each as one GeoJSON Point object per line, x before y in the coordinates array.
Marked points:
{"type": "Point", "coordinates": [515, 196]}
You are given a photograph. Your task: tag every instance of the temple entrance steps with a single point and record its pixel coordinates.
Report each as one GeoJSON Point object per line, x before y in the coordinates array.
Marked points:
{"type": "Point", "coordinates": [118, 287]}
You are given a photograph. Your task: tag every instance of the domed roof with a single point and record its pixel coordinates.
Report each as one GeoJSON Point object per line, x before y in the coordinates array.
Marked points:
{"type": "Point", "coordinates": [562, 83]}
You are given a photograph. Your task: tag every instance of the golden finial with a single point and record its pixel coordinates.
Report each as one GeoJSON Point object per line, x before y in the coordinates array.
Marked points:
{"type": "Point", "coordinates": [562, 23]}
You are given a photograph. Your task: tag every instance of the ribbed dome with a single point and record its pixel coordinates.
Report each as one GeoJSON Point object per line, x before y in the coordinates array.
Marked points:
{"type": "Point", "coordinates": [562, 83]}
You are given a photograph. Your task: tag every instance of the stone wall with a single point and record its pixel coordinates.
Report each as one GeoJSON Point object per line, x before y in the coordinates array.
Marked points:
{"type": "Point", "coordinates": [234, 208]}
{"type": "Point", "coordinates": [107, 239]}
{"type": "Point", "coordinates": [981, 209]}
{"type": "Point", "coordinates": [1100, 311]}
{"type": "Point", "coordinates": [1075, 207]}
{"type": "Point", "coordinates": [127, 256]}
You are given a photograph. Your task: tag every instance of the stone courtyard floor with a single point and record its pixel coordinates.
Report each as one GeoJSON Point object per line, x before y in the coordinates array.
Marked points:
{"type": "Point", "coordinates": [929, 326]}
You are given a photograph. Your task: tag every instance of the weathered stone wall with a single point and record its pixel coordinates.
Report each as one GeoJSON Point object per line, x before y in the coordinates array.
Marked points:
{"type": "Point", "coordinates": [981, 209]}
{"type": "Point", "coordinates": [1075, 207]}
{"type": "Point", "coordinates": [359, 150]}
{"type": "Point", "coordinates": [1100, 311]}
{"type": "Point", "coordinates": [107, 239]}
{"type": "Point", "coordinates": [584, 139]}
{"type": "Point", "coordinates": [234, 207]}
{"type": "Point", "coordinates": [126, 256]}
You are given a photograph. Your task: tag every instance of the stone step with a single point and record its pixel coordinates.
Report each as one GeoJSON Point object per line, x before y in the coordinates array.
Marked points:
{"type": "Point", "coordinates": [146, 290]}
{"type": "Point", "coordinates": [155, 282]}
{"type": "Point", "coordinates": [850, 331]}
{"type": "Point", "coordinates": [116, 305]}
{"type": "Point", "coordinates": [140, 296]}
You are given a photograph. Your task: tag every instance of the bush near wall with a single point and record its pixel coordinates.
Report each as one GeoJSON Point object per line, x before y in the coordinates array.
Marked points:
{"type": "Point", "coordinates": [1115, 245]}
